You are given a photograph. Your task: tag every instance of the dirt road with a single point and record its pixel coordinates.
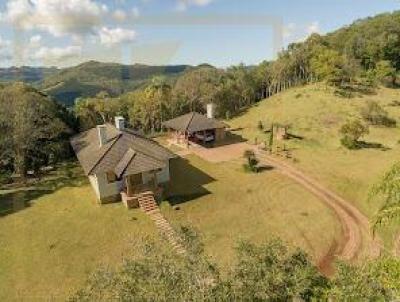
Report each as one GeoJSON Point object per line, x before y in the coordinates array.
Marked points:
{"type": "Point", "coordinates": [357, 238]}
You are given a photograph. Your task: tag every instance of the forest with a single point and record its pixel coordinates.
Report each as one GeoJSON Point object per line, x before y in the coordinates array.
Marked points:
{"type": "Point", "coordinates": [354, 60]}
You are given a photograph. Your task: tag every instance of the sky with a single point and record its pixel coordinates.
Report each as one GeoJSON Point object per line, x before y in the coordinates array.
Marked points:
{"type": "Point", "coordinates": [164, 32]}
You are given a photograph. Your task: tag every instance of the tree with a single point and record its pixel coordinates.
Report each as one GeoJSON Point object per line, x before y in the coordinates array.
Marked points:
{"type": "Point", "coordinates": [352, 131]}
{"type": "Point", "coordinates": [198, 87]}
{"type": "Point", "coordinates": [329, 65]}
{"type": "Point", "coordinates": [387, 191]}
{"type": "Point", "coordinates": [377, 280]}
{"type": "Point", "coordinates": [274, 272]}
{"type": "Point", "coordinates": [384, 70]}
{"type": "Point", "coordinates": [34, 129]}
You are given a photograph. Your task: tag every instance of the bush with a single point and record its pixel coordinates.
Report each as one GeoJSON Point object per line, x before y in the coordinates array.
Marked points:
{"type": "Point", "coordinates": [349, 143]}
{"type": "Point", "coordinates": [252, 161]}
{"type": "Point", "coordinates": [352, 131]}
{"type": "Point", "coordinates": [374, 114]}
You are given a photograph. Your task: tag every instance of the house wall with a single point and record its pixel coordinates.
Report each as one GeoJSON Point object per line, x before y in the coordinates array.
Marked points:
{"type": "Point", "coordinates": [164, 176]}
{"type": "Point", "coordinates": [111, 192]}
{"type": "Point", "coordinates": [108, 192]}
{"type": "Point", "coordinates": [95, 186]}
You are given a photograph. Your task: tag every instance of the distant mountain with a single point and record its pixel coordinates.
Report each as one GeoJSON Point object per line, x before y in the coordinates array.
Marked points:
{"type": "Point", "coordinates": [26, 74]}
{"type": "Point", "coordinates": [88, 79]}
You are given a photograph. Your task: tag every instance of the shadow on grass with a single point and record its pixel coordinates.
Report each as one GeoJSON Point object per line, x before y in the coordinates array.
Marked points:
{"type": "Point", "coordinates": [187, 182]}
{"type": "Point", "coordinates": [18, 198]}
{"type": "Point", "coordinates": [369, 145]}
{"type": "Point", "coordinates": [264, 168]}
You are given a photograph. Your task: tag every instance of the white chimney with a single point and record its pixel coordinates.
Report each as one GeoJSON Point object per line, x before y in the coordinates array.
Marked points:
{"type": "Point", "coordinates": [102, 133]}
{"type": "Point", "coordinates": [119, 123]}
{"type": "Point", "coordinates": [210, 110]}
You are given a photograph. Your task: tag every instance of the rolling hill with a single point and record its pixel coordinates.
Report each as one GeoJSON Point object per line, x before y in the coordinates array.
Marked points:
{"type": "Point", "coordinates": [315, 115]}
{"type": "Point", "coordinates": [88, 79]}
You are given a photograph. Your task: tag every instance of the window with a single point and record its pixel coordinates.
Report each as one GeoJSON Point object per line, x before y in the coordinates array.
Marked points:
{"type": "Point", "coordinates": [111, 177]}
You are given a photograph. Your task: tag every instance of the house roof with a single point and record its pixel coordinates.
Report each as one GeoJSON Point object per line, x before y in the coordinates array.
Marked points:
{"type": "Point", "coordinates": [193, 122]}
{"type": "Point", "coordinates": [125, 152]}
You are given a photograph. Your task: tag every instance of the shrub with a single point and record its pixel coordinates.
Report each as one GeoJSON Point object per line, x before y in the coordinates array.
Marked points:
{"type": "Point", "coordinates": [349, 143]}
{"type": "Point", "coordinates": [252, 161]}
{"type": "Point", "coordinates": [352, 131]}
{"type": "Point", "coordinates": [374, 114]}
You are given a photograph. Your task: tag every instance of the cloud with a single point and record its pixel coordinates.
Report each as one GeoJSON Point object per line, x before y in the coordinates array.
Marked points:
{"type": "Point", "coordinates": [4, 43]}
{"type": "Point", "coordinates": [313, 28]}
{"type": "Point", "coordinates": [119, 15]}
{"type": "Point", "coordinates": [57, 55]}
{"type": "Point", "coordinates": [115, 36]}
{"type": "Point", "coordinates": [58, 17]}
{"type": "Point", "coordinates": [289, 30]}
{"type": "Point", "coordinates": [182, 5]}
{"type": "Point", "coordinates": [35, 41]}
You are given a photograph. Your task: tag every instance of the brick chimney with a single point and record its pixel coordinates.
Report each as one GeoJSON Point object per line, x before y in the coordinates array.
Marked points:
{"type": "Point", "coordinates": [119, 123]}
{"type": "Point", "coordinates": [102, 134]}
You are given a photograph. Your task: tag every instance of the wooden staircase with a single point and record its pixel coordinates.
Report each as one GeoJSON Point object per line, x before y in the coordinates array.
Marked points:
{"type": "Point", "coordinates": [148, 204]}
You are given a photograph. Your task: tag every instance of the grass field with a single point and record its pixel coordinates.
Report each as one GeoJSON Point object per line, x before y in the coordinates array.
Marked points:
{"type": "Point", "coordinates": [316, 115]}
{"type": "Point", "coordinates": [227, 205]}
{"type": "Point", "coordinates": [54, 235]}
{"type": "Point", "coordinates": [48, 247]}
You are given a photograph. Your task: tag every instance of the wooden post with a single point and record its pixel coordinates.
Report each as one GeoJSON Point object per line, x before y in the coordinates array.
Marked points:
{"type": "Point", "coordinates": [155, 179]}
{"type": "Point", "coordinates": [128, 187]}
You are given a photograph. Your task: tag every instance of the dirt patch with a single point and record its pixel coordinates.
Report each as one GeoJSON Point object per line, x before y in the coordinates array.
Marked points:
{"type": "Point", "coordinates": [221, 154]}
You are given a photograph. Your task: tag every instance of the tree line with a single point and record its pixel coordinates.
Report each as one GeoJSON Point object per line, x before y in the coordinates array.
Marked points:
{"type": "Point", "coordinates": [353, 59]}
{"type": "Point", "coordinates": [272, 271]}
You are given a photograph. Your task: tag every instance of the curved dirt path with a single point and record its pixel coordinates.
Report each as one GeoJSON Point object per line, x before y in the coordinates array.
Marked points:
{"type": "Point", "coordinates": [357, 236]}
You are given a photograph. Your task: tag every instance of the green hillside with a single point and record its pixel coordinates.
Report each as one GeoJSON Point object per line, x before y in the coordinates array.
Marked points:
{"type": "Point", "coordinates": [315, 116]}
{"type": "Point", "coordinates": [89, 78]}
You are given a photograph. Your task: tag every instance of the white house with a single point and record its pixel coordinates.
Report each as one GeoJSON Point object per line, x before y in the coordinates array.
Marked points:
{"type": "Point", "coordinates": [120, 163]}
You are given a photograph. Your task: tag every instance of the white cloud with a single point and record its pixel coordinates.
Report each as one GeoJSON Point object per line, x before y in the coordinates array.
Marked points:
{"type": "Point", "coordinates": [57, 55]}
{"type": "Point", "coordinates": [289, 30]}
{"type": "Point", "coordinates": [114, 36]}
{"type": "Point", "coordinates": [35, 41]}
{"type": "Point", "coordinates": [119, 15]}
{"type": "Point", "coordinates": [58, 17]}
{"type": "Point", "coordinates": [313, 28]}
{"type": "Point", "coordinates": [4, 43]}
{"type": "Point", "coordinates": [182, 5]}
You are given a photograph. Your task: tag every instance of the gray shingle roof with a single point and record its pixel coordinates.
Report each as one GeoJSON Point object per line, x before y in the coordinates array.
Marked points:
{"type": "Point", "coordinates": [193, 122]}
{"type": "Point", "coordinates": [125, 161]}
{"type": "Point", "coordinates": [115, 154]}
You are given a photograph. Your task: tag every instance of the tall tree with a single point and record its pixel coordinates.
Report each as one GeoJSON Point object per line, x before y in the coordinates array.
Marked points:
{"type": "Point", "coordinates": [33, 128]}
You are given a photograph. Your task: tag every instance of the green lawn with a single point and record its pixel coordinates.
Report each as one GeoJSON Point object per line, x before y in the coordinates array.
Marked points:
{"type": "Point", "coordinates": [226, 205]}
{"type": "Point", "coordinates": [316, 114]}
{"type": "Point", "coordinates": [55, 234]}
{"type": "Point", "coordinates": [48, 247]}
